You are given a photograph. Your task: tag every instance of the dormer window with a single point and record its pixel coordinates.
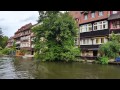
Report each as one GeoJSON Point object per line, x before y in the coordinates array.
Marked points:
{"type": "Point", "coordinates": [85, 16]}
{"type": "Point", "coordinates": [100, 13]}
{"type": "Point", "coordinates": [93, 14]}
{"type": "Point", "coordinates": [114, 12]}
{"type": "Point", "coordinates": [77, 19]}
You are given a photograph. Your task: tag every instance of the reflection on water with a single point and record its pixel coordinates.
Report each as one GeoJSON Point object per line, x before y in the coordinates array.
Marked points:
{"type": "Point", "coordinates": [18, 68]}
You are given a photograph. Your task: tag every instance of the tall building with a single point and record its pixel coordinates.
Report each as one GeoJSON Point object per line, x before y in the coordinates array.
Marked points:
{"type": "Point", "coordinates": [94, 31]}
{"type": "Point", "coordinates": [23, 38]}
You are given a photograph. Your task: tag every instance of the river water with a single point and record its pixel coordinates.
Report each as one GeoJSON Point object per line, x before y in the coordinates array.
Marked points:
{"type": "Point", "coordinates": [18, 68]}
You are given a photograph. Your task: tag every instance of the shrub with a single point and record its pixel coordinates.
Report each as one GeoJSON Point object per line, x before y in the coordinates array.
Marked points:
{"type": "Point", "coordinates": [6, 51]}
{"type": "Point", "coordinates": [103, 60]}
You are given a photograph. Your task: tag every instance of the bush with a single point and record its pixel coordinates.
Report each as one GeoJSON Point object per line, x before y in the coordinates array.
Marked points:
{"type": "Point", "coordinates": [110, 49]}
{"type": "Point", "coordinates": [6, 51]}
{"type": "Point", "coordinates": [0, 48]}
{"type": "Point", "coordinates": [103, 60]}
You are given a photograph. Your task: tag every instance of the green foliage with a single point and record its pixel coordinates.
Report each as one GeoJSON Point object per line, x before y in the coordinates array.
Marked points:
{"type": "Point", "coordinates": [115, 37]}
{"type": "Point", "coordinates": [0, 48]}
{"type": "Point", "coordinates": [103, 60]}
{"type": "Point", "coordinates": [111, 49]}
{"type": "Point", "coordinates": [55, 37]}
{"type": "Point", "coordinates": [6, 51]}
{"type": "Point", "coordinates": [14, 46]}
{"type": "Point", "coordinates": [3, 41]}
{"type": "Point", "coordinates": [23, 51]}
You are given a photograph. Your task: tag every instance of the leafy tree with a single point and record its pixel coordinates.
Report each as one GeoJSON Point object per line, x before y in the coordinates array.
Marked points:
{"type": "Point", "coordinates": [115, 37]}
{"type": "Point", "coordinates": [55, 37]}
{"type": "Point", "coordinates": [111, 49]}
{"type": "Point", "coordinates": [4, 41]}
{"type": "Point", "coordinates": [0, 36]}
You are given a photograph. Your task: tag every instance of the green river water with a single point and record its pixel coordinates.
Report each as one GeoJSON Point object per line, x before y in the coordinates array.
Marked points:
{"type": "Point", "coordinates": [19, 68]}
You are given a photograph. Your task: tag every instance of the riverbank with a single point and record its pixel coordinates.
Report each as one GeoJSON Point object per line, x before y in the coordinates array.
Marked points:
{"type": "Point", "coordinates": [111, 61]}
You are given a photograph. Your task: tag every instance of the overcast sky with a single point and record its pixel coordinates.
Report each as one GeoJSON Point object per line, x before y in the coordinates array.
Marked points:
{"type": "Point", "coordinates": [11, 21]}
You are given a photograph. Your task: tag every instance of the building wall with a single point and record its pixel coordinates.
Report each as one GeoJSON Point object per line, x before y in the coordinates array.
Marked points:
{"type": "Point", "coordinates": [87, 53]}
{"type": "Point", "coordinates": [25, 43]}
{"type": "Point", "coordinates": [92, 41]}
{"type": "Point", "coordinates": [76, 16]}
{"type": "Point", "coordinates": [97, 17]}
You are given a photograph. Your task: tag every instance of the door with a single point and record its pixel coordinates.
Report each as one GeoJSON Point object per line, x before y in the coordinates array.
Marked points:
{"type": "Point", "coordinates": [95, 53]}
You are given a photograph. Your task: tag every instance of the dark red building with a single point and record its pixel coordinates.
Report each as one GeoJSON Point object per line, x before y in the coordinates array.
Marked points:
{"type": "Point", "coordinates": [114, 22]}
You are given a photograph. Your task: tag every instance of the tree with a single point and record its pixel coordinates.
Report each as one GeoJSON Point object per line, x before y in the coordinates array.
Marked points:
{"type": "Point", "coordinates": [55, 37]}
{"type": "Point", "coordinates": [4, 41]}
{"type": "Point", "coordinates": [1, 37]}
{"type": "Point", "coordinates": [111, 49]}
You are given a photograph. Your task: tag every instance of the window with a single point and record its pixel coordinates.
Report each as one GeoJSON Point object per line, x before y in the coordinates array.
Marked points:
{"type": "Point", "coordinates": [83, 28]}
{"type": "Point", "coordinates": [114, 12]}
{"type": "Point", "coordinates": [97, 40]}
{"type": "Point", "coordinates": [86, 28]}
{"type": "Point", "coordinates": [86, 17]}
{"type": "Point", "coordinates": [100, 13]}
{"type": "Point", "coordinates": [83, 41]}
{"type": "Point", "coordinates": [105, 24]}
{"type": "Point", "coordinates": [89, 27]}
{"type": "Point", "coordinates": [115, 24]}
{"type": "Point", "coordinates": [118, 24]}
{"type": "Point", "coordinates": [88, 41]}
{"type": "Point", "coordinates": [95, 26]}
{"type": "Point", "coordinates": [102, 40]}
{"type": "Point", "coordinates": [100, 25]}
{"type": "Point", "coordinates": [77, 19]}
{"type": "Point", "coordinates": [93, 14]}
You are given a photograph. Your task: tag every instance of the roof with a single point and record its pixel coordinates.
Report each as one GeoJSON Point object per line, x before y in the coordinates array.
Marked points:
{"type": "Point", "coordinates": [25, 27]}
{"type": "Point", "coordinates": [114, 16]}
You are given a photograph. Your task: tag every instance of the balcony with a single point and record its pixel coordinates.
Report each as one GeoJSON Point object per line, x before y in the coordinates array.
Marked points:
{"type": "Point", "coordinates": [95, 33]}
{"type": "Point", "coordinates": [115, 31]}
{"type": "Point", "coordinates": [89, 47]}
{"type": "Point", "coordinates": [17, 42]}
{"type": "Point", "coordinates": [25, 38]}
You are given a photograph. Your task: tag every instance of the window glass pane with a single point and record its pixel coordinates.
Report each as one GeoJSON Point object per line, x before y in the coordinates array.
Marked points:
{"type": "Point", "coordinates": [85, 17]}
{"type": "Point", "coordinates": [102, 40]}
{"type": "Point", "coordinates": [93, 15]}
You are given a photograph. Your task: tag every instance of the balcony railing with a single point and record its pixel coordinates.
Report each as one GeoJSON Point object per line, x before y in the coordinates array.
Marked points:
{"type": "Point", "coordinates": [95, 33]}
{"type": "Point", "coordinates": [17, 42]}
{"type": "Point", "coordinates": [89, 47]}
{"type": "Point", "coordinates": [25, 38]}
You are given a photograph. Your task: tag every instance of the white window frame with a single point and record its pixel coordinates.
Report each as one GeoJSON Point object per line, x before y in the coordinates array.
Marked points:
{"type": "Point", "coordinates": [88, 26]}
{"type": "Point", "coordinates": [98, 24]}
{"type": "Point", "coordinates": [85, 28]}
{"type": "Point", "coordinates": [93, 14]}
{"type": "Point", "coordinates": [103, 40]}
{"type": "Point", "coordinates": [100, 13]}
{"type": "Point", "coordinates": [95, 24]}
{"type": "Point", "coordinates": [85, 16]}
